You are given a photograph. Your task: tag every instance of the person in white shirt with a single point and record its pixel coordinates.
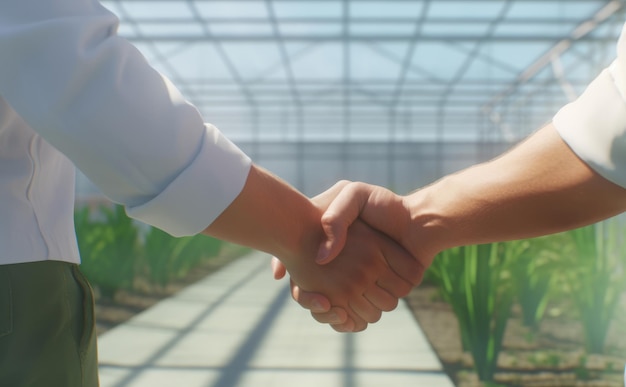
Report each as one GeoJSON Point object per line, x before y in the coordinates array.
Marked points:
{"type": "Point", "coordinates": [74, 93]}
{"type": "Point", "coordinates": [568, 174]}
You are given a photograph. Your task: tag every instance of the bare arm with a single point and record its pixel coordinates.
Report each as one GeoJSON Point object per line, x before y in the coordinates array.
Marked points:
{"type": "Point", "coordinates": [271, 216]}
{"type": "Point", "coordinates": [539, 187]}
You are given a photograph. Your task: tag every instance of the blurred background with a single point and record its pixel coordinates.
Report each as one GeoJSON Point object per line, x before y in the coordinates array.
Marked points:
{"type": "Point", "coordinates": [395, 93]}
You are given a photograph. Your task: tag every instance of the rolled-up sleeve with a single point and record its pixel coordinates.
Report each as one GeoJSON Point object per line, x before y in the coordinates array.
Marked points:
{"type": "Point", "coordinates": [93, 96]}
{"type": "Point", "coordinates": [594, 125]}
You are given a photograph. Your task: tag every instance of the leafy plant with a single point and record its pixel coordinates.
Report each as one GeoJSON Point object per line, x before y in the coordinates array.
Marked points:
{"type": "Point", "coordinates": [168, 257]}
{"type": "Point", "coordinates": [108, 247]}
{"type": "Point", "coordinates": [475, 282]}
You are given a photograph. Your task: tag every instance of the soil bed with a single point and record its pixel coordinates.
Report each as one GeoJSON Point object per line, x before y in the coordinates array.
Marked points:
{"type": "Point", "coordinates": [552, 356]}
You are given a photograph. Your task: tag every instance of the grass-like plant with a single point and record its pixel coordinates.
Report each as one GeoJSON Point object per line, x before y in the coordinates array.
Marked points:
{"type": "Point", "coordinates": [475, 281]}
{"type": "Point", "coordinates": [533, 272]}
{"type": "Point", "coordinates": [597, 279]}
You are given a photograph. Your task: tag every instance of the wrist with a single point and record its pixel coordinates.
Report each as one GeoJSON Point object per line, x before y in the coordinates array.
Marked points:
{"type": "Point", "coordinates": [271, 216]}
{"type": "Point", "coordinates": [303, 238]}
{"type": "Point", "coordinates": [427, 232]}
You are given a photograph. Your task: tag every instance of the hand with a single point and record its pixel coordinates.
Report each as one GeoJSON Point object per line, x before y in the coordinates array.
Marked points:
{"type": "Point", "coordinates": [378, 207]}
{"type": "Point", "coordinates": [360, 281]}
{"type": "Point", "coordinates": [398, 262]}
{"type": "Point", "coordinates": [317, 303]}
{"type": "Point", "coordinates": [271, 216]}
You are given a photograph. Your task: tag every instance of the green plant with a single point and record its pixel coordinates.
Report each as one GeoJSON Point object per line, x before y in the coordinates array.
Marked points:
{"type": "Point", "coordinates": [581, 370]}
{"type": "Point", "coordinates": [446, 272]}
{"type": "Point", "coordinates": [533, 268]}
{"type": "Point", "coordinates": [474, 280]}
{"type": "Point", "coordinates": [597, 279]}
{"type": "Point", "coordinates": [168, 258]}
{"type": "Point", "coordinates": [553, 360]}
{"type": "Point", "coordinates": [108, 243]}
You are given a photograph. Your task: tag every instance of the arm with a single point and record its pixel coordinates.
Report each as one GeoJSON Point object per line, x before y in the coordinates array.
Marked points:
{"type": "Point", "coordinates": [566, 175]}
{"type": "Point", "coordinates": [539, 187]}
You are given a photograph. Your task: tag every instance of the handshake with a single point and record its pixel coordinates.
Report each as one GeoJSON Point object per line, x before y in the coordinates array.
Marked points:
{"type": "Point", "coordinates": [366, 258]}
{"type": "Point", "coordinates": [351, 251]}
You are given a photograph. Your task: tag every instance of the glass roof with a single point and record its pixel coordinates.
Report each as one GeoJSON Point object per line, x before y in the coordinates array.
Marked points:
{"type": "Point", "coordinates": [362, 70]}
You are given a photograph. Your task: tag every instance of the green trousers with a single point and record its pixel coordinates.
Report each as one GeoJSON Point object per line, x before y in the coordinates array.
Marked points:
{"type": "Point", "coordinates": [47, 327]}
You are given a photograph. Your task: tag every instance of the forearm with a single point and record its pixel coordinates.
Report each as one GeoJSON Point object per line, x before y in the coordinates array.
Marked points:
{"type": "Point", "coordinates": [539, 187]}
{"type": "Point", "coordinates": [271, 216]}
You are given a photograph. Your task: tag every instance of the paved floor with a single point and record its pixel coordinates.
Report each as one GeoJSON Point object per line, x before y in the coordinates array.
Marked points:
{"type": "Point", "coordinates": [240, 328]}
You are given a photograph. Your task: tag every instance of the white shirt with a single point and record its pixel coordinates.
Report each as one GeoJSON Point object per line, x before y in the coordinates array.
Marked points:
{"type": "Point", "coordinates": [594, 125]}
{"type": "Point", "coordinates": [71, 89]}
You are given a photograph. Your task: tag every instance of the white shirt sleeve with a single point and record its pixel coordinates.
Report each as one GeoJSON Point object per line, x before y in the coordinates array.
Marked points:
{"type": "Point", "coordinates": [93, 96]}
{"type": "Point", "coordinates": [594, 125]}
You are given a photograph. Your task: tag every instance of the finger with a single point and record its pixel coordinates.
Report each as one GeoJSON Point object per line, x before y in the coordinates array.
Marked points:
{"type": "Point", "coordinates": [359, 325]}
{"type": "Point", "coordinates": [393, 284]}
{"type": "Point", "coordinates": [339, 215]}
{"type": "Point", "coordinates": [278, 269]}
{"type": "Point", "coordinates": [347, 327]}
{"type": "Point", "coordinates": [353, 324]}
{"type": "Point", "coordinates": [403, 264]}
{"type": "Point", "coordinates": [315, 302]}
{"type": "Point", "coordinates": [381, 299]}
{"type": "Point", "coordinates": [364, 310]}
{"type": "Point", "coordinates": [334, 316]}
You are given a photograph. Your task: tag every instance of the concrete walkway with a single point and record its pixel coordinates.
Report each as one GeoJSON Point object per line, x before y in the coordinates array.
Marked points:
{"type": "Point", "coordinates": [240, 328]}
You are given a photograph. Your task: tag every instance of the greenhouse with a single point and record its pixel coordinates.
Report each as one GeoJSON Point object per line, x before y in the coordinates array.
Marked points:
{"type": "Point", "coordinates": [398, 94]}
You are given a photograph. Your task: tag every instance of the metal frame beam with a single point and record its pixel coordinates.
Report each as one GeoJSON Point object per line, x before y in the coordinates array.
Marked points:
{"type": "Point", "coordinates": [340, 37]}
{"type": "Point", "coordinates": [580, 33]}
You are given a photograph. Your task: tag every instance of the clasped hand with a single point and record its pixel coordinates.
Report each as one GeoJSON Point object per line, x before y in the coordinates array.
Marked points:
{"type": "Point", "coordinates": [366, 261]}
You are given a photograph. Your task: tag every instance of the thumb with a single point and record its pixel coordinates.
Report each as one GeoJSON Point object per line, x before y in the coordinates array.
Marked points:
{"type": "Point", "coordinates": [336, 235]}
{"type": "Point", "coordinates": [339, 216]}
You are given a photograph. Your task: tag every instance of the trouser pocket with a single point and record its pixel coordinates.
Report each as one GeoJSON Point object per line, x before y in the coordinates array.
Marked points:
{"type": "Point", "coordinates": [87, 343]}
{"type": "Point", "coordinates": [6, 304]}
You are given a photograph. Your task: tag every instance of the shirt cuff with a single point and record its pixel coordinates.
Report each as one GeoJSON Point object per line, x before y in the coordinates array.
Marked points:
{"type": "Point", "coordinates": [201, 192]}
{"type": "Point", "coordinates": [594, 126]}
